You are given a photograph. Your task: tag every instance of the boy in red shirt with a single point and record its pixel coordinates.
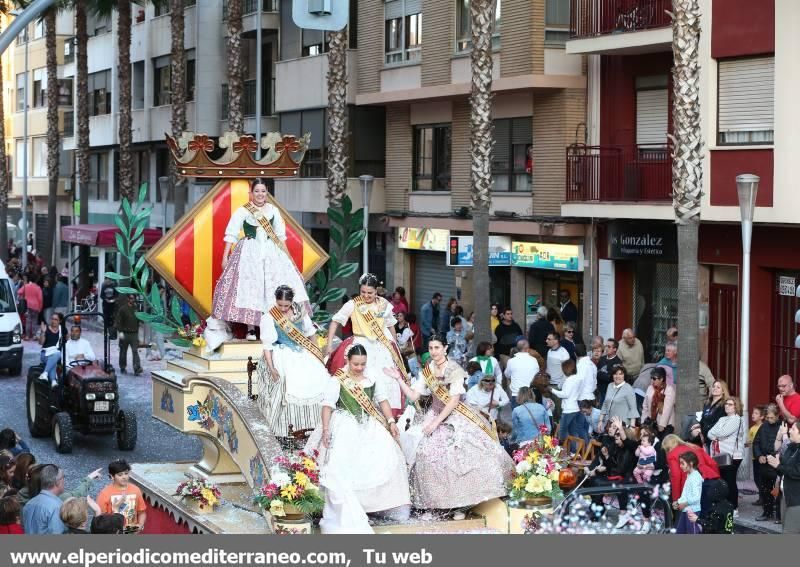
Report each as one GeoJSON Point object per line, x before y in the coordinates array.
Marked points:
{"type": "Point", "coordinates": [122, 497]}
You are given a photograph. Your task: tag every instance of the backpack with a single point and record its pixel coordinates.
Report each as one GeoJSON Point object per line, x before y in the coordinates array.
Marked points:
{"type": "Point", "coordinates": [716, 516]}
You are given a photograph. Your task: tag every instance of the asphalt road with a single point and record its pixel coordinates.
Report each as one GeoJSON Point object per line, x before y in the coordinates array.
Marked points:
{"type": "Point", "coordinates": [156, 442]}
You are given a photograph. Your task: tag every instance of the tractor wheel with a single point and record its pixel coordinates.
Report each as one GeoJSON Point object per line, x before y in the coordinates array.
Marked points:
{"type": "Point", "coordinates": [62, 432]}
{"type": "Point", "coordinates": [126, 430]}
{"type": "Point", "coordinates": [38, 418]}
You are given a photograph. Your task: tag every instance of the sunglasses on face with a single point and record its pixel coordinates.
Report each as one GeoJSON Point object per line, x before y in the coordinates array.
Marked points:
{"type": "Point", "coordinates": [488, 381]}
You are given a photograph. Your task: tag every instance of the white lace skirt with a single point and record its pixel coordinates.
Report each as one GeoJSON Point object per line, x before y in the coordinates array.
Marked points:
{"type": "Point", "coordinates": [378, 358]}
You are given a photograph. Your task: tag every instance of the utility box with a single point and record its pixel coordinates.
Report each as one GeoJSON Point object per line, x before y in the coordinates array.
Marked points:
{"type": "Point", "coordinates": [328, 15]}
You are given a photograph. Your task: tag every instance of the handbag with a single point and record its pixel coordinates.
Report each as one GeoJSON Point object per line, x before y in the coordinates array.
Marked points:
{"type": "Point", "coordinates": [22, 304]}
{"type": "Point", "coordinates": [725, 459]}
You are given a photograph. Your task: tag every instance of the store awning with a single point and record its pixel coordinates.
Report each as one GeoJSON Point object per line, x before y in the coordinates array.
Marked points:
{"type": "Point", "coordinates": [102, 235]}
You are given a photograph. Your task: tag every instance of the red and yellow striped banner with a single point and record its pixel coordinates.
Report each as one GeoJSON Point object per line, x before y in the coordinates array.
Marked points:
{"type": "Point", "coordinates": [189, 256]}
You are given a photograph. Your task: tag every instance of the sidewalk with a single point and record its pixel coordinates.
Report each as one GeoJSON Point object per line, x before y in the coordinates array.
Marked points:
{"type": "Point", "coordinates": [749, 512]}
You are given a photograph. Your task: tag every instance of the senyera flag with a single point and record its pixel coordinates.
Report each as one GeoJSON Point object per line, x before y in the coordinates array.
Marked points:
{"type": "Point", "coordinates": [189, 256]}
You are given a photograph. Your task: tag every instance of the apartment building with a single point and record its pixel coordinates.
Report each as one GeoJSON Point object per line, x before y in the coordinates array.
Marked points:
{"type": "Point", "coordinates": [411, 63]}
{"type": "Point", "coordinates": [621, 178]}
{"type": "Point", "coordinates": [33, 93]}
{"type": "Point", "coordinates": [8, 79]}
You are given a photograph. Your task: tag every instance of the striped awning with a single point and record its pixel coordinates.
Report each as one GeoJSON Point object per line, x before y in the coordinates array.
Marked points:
{"type": "Point", "coordinates": [189, 257]}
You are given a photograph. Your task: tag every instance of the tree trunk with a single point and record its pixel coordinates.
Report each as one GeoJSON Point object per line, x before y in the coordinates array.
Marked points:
{"type": "Point", "coordinates": [481, 146]}
{"type": "Point", "coordinates": [125, 119]}
{"type": "Point", "coordinates": [53, 142]}
{"type": "Point", "coordinates": [687, 183]}
{"type": "Point", "coordinates": [4, 181]}
{"type": "Point", "coordinates": [337, 117]}
{"type": "Point", "coordinates": [82, 145]}
{"type": "Point", "coordinates": [177, 77]}
{"type": "Point", "coordinates": [235, 68]}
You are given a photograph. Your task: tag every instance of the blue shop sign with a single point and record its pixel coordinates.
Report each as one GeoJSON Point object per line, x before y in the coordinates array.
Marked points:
{"type": "Point", "coordinates": [460, 251]}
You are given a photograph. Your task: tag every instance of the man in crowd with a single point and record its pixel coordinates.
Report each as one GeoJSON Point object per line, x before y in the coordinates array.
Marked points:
{"type": "Point", "coordinates": [788, 399]}
{"type": "Point", "coordinates": [127, 326]}
{"type": "Point", "coordinates": [569, 313]}
{"type": "Point", "coordinates": [429, 314]}
{"type": "Point", "coordinates": [108, 295]}
{"type": "Point", "coordinates": [520, 370]}
{"type": "Point", "coordinates": [77, 347]}
{"type": "Point", "coordinates": [61, 295]}
{"type": "Point", "coordinates": [631, 352]}
{"type": "Point", "coordinates": [538, 331]}
{"type": "Point", "coordinates": [41, 514]}
{"type": "Point", "coordinates": [506, 332]}
{"type": "Point", "coordinates": [671, 359]}
{"type": "Point", "coordinates": [555, 356]}
{"type": "Point", "coordinates": [568, 340]}
{"type": "Point", "coordinates": [605, 367]}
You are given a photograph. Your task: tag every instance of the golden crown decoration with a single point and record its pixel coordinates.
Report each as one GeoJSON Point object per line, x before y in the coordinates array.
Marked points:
{"type": "Point", "coordinates": [282, 155]}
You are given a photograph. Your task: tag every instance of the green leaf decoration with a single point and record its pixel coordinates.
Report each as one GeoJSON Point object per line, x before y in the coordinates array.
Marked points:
{"type": "Point", "coordinates": [356, 220]}
{"type": "Point", "coordinates": [145, 275]}
{"type": "Point", "coordinates": [143, 192]}
{"type": "Point", "coordinates": [175, 308]}
{"type": "Point", "coordinates": [336, 236]}
{"type": "Point", "coordinates": [155, 300]}
{"type": "Point", "coordinates": [137, 232]}
{"type": "Point", "coordinates": [346, 270]}
{"type": "Point", "coordinates": [347, 205]}
{"type": "Point", "coordinates": [114, 276]}
{"type": "Point", "coordinates": [180, 341]}
{"type": "Point", "coordinates": [333, 294]}
{"type": "Point", "coordinates": [127, 290]}
{"type": "Point", "coordinates": [162, 328]}
{"type": "Point", "coordinates": [355, 240]}
{"type": "Point", "coordinates": [333, 266]}
{"type": "Point", "coordinates": [320, 279]}
{"type": "Point", "coordinates": [126, 209]}
{"type": "Point", "coordinates": [335, 217]}
{"type": "Point", "coordinates": [147, 317]}
{"type": "Point", "coordinates": [194, 318]}
{"type": "Point", "coordinates": [120, 244]}
{"type": "Point", "coordinates": [321, 317]}
{"type": "Point", "coordinates": [139, 264]}
{"type": "Point", "coordinates": [136, 245]}
{"type": "Point", "coordinates": [123, 229]}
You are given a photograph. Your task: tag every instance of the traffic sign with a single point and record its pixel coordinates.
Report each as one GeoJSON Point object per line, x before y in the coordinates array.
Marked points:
{"type": "Point", "coordinates": [328, 15]}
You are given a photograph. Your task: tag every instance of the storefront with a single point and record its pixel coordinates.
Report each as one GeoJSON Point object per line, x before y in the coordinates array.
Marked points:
{"type": "Point", "coordinates": [460, 255]}
{"type": "Point", "coordinates": [427, 250]}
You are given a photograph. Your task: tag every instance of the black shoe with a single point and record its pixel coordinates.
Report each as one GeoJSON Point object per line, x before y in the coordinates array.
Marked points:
{"type": "Point", "coordinates": [764, 517]}
{"type": "Point", "coordinates": [123, 371]}
{"type": "Point", "coordinates": [137, 372]}
{"type": "Point", "coordinates": [758, 502]}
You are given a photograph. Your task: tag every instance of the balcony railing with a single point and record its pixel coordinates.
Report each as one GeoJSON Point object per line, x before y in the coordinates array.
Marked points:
{"type": "Point", "coordinates": [590, 18]}
{"type": "Point", "coordinates": [619, 173]}
{"type": "Point", "coordinates": [69, 124]}
{"type": "Point", "coordinates": [251, 7]}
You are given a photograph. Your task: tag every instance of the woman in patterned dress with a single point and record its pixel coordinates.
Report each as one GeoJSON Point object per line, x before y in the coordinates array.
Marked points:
{"type": "Point", "coordinates": [458, 461]}
{"type": "Point", "coordinates": [292, 375]}
{"type": "Point", "coordinates": [379, 338]}
{"type": "Point", "coordinates": [258, 265]}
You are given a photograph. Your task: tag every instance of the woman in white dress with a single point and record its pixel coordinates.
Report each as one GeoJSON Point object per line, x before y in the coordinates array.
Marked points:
{"type": "Point", "coordinates": [373, 324]}
{"type": "Point", "coordinates": [358, 444]}
{"type": "Point", "coordinates": [292, 374]}
{"type": "Point", "coordinates": [260, 262]}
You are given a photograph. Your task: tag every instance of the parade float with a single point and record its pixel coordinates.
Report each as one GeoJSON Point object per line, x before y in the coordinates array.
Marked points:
{"type": "Point", "coordinates": [210, 393]}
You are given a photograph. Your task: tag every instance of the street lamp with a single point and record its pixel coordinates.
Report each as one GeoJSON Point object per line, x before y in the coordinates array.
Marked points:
{"type": "Point", "coordinates": [24, 207]}
{"type": "Point", "coordinates": [366, 195]}
{"type": "Point", "coordinates": [747, 189]}
{"type": "Point", "coordinates": [163, 184]}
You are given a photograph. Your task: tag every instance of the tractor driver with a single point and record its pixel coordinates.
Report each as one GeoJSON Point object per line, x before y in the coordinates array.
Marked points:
{"type": "Point", "coordinates": [78, 348]}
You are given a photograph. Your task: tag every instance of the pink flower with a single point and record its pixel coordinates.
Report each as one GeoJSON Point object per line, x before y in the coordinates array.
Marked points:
{"type": "Point", "coordinates": [543, 429]}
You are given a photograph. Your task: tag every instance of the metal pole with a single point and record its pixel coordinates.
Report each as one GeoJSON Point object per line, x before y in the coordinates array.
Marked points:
{"type": "Point", "coordinates": [25, 161]}
{"type": "Point", "coordinates": [744, 351]}
{"type": "Point", "coordinates": [258, 80]}
{"type": "Point", "coordinates": [163, 183]}
{"type": "Point", "coordinates": [366, 193]}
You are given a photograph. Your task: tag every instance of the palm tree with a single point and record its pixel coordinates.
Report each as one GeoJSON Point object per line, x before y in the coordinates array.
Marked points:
{"type": "Point", "coordinates": [481, 146]}
{"type": "Point", "coordinates": [53, 141]}
{"type": "Point", "coordinates": [82, 145]}
{"type": "Point", "coordinates": [177, 75]}
{"type": "Point", "coordinates": [687, 183]}
{"type": "Point", "coordinates": [4, 188]}
{"type": "Point", "coordinates": [235, 68]}
{"type": "Point", "coordinates": [337, 116]}
{"type": "Point", "coordinates": [124, 21]}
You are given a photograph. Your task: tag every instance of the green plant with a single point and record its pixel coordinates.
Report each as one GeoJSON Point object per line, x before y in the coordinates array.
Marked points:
{"type": "Point", "coordinates": [347, 234]}
{"type": "Point", "coordinates": [131, 221]}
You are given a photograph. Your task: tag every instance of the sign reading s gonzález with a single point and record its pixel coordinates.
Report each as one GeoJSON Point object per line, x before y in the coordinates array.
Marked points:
{"type": "Point", "coordinates": [636, 241]}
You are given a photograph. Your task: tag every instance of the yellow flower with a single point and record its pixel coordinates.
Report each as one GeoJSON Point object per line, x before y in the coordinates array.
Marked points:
{"type": "Point", "coordinates": [289, 491]}
{"type": "Point", "coordinates": [547, 484]}
{"type": "Point", "coordinates": [199, 342]}
{"type": "Point", "coordinates": [554, 475]}
{"type": "Point", "coordinates": [209, 496]}
{"type": "Point", "coordinates": [276, 508]}
{"type": "Point", "coordinates": [519, 482]}
{"type": "Point", "coordinates": [309, 464]}
{"type": "Point", "coordinates": [301, 478]}
{"type": "Point", "coordinates": [534, 485]}
{"type": "Point", "coordinates": [546, 440]}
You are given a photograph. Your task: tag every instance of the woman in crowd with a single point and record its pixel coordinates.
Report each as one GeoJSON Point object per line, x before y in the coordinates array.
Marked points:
{"type": "Point", "coordinates": [674, 447]}
{"type": "Point", "coordinates": [487, 397]}
{"type": "Point", "coordinates": [484, 355]}
{"type": "Point", "coordinates": [527, 417]}
{"type": "Point", "coordinates": [620, 400]}
{"type": "Point", "coordinates": [542, 394]}
{"type": "Point", "coordinates": [763, 448]}
{"type": "Point", "coordinates": [293, 376]}
{"type": "Point", "coordinates": [7, 466]}
{"type": "Point", "coordinates": [405, 338]}
{"type": "Point", "coordinates": [373, 324]}
{"type": "Point", "coordinates": [399, 301]}
{"type": "Point", "coordinates": [358, 448]}
{"type": "Point", "coordinates": [727, 437]}
{"type": "Point", "coordinates": [34, 485]}
{"type": "Point", "coordinates": [10, 516]}
{"type": "Point", "coordinates": [75, 514]}
{"type": "Point", "coordinates": [12, 442]}
{"type": "Point", "coordinates": [494, 316]}
{"type": "Point", "coordinates": [659, 403]}
{"type": "Point", "coordinates": [713, 410]}
{"type": "Point", "coordinates": [50, 338]}
{"type": "Point", "coordinates": [458, 461]}
{"type": "Point", "coordinates": [260, 262]}
{"type": "Point", "coordinates": [688, 503]}
{"type": "Point", "coordinates": [788, 467]}
{"type": "Point", "coordinates": [24, 462]}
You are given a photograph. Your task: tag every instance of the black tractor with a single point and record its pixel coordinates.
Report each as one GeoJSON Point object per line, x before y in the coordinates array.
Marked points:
{"type": "Point", "coordinates": [87, 400]}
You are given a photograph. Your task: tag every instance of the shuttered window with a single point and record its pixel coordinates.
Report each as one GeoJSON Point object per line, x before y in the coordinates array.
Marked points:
{"type": "Point", "coordinates": [652, 111]}
{"type": "Point", "coordinates": [402, 31]}
{"type": "Point", "coordinates": [746, 101]}
{"type": "Point", "coordinates": [510, 161]}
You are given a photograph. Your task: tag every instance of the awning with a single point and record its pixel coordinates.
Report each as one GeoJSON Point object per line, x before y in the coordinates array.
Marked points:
{"type": "Point", "coordinates": [102, 235]}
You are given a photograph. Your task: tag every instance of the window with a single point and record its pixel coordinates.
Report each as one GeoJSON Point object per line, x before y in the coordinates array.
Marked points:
{"type": "Point", "coordinates": [403, 30]}
{"type": "Point", "coordinates": [20, 92]}
{"type": "Point", "coordinates": [313, 122]}
{"type": "Point", "coordinates": [162, 170]}
{"type": "Point", "coordinates": [100, 93]}
{"type": "Point", "coordinates": [652, 113]}
{"type": "Point", "coordinates": [65, 92]}
{"type": "Point", "coordinates": [19, 156]}
{"type": "Point", "coordinates": [556, 23]}
{"type": "Point", "coordinates": [22, 38]}
{"type": "Point", "coordinates": [431, 168]}
{"type": "Point", "coordinates": [510, 161]}
{"type": "Point", "coordinates": [38, 29]}
{"type": "Point", "coordinates": [69, 50]}
{"type": "Point", "coordinates": [161, 78]}
{"type": "Point", "coordinates": [39, 87]}
{"type": "Point", "coordinates": [39, 155]}
{"type": "Point", "coordinates": [137, 85]}
{"type": "Point", "coordinates": [746, 101]}
{"type": "Point", "coordinates": [69, 124]}
{"type": "Point", "coordinates": [315, 42]}
{"type": "Point", "coordinates": [98, 176]}
{"type": "Point", "coordinates": [97, 25]}
{"type": "Point", "coordinates": [141, 168]}
{"type": "Point", "coordinates": [464, 29]}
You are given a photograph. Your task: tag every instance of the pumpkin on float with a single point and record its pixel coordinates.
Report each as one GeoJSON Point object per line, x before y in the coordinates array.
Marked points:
{"type": "Point", "coordinates": [567, 479]}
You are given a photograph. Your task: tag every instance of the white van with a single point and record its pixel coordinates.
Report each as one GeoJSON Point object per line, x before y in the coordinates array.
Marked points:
{"type": "Point", "coordinates": [10, 327]}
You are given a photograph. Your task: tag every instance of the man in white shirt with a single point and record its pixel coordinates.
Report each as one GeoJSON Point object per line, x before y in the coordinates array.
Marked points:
{"type": "Point", "coordinates": [573, 422]}
{"type": "Point", "coordinates": [555, 356]}
{"type": "Point", "coordinates": [520, 370]}
{"type": "Point", "coordinates": [487, 396]}
{"type": "Point", "coordinates": [588, 373]}
{"type": "Point", "coordinates": [78, 348]}
{"type": "Point", "coordinates": [631, 352]}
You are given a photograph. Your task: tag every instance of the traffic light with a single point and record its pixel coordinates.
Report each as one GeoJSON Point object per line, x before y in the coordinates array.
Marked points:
{"type": "Point", "coordinates": [328, 15]}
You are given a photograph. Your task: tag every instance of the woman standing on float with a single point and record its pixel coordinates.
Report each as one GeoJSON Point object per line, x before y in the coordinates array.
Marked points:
{"type": "Point", "coordinates": [373, 324]}
{"type": "Point", "coordinates": [292, 375]}
{"type": "Point", "coordinates": [458, 461]}
{"type": "Point", "coordinates": [362, 465]}
{"type": "Point", "coordinates": [260, 262]}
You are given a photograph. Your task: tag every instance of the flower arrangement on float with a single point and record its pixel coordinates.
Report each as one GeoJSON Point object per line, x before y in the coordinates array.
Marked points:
{"type": "Point", "coordinates": [293, 490]}
{"type": "Point", "coordinates": [194, 333]}
{"type": "Point", "coordinates": [538, 465]}
{"type": "Point", "coordinates": [205, 494]}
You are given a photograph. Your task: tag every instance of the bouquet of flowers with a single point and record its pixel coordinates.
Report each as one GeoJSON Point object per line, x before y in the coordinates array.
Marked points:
{"type": "Point", "coordinates": [293, 486]}
{"type": "Point", "coordinates": [193, 333]}
{"type": "Point", "coordinates": [537, 467]}
{"type": "Point", "coordinates": [201, 491]}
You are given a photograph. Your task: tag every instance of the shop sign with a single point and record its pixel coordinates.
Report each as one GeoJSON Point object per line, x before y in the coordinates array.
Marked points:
{"type": "Point", "coordinates": [565, 257]}
{"type": "Point", "coordinates": [786, 286]}
{"type": "Point", "coordinates": [460, 252]}
{"type": "Point", "coordinates": [642, 242]}
{"type": "Point", "coordinates": [431, 239]}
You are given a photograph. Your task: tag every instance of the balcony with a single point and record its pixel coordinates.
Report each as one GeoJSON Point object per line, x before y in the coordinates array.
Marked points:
{"type": "Point", "coordinates": [639, 174]}
{"type": "Point", "coordinates": [619, 26]}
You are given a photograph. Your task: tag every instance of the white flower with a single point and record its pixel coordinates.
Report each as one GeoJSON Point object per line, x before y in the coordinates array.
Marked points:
{"type": "Point", "coordinates": [523, 467]}
{"type": "Point", "coordinates": [280, 478]}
